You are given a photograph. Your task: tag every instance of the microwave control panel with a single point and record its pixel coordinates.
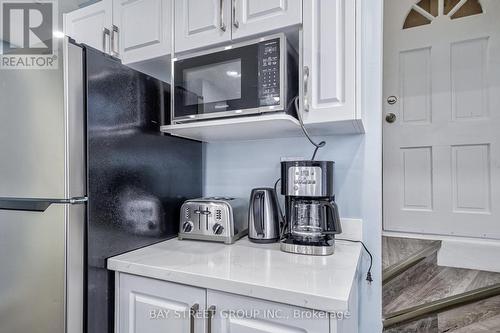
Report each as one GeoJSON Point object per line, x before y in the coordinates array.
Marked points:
{"type": "Point", "coordinates": [269, 73]}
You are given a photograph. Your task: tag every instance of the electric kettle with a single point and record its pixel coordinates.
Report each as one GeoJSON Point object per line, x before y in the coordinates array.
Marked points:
{"type": "Point", "coordinates": [263, 216]}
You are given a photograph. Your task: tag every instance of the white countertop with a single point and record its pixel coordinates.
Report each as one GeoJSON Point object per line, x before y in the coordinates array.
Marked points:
{"type": "Point", "coordinates": [255, 270]}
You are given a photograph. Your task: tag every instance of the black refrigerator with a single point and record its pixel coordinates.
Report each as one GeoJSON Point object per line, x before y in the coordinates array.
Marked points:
{"type": "Point", "coordinates": [137, 178]}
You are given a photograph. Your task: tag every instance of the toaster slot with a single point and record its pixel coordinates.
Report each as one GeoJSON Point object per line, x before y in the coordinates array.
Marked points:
{"type": "Point", "coordinates": [198, 212]}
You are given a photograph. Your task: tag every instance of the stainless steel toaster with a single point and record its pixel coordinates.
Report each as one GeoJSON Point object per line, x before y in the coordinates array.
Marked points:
{"type": "Point", "coordinates": [217, 219]}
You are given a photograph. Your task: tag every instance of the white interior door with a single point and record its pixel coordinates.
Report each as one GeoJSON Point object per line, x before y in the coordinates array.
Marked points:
{"type": "Point", "coordinates": [442, 152]}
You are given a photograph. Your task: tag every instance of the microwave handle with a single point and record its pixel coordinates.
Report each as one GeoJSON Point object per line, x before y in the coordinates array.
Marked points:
{"type": "Point", "coordinates": [222, 24]}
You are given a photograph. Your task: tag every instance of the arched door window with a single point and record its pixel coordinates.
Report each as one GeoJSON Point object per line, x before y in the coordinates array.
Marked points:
{"type": "Point", "coordinates": [425, 11]}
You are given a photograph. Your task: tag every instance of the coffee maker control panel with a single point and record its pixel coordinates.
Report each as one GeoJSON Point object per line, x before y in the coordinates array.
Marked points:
{"type": "Point", "coordinates": [304, 181]}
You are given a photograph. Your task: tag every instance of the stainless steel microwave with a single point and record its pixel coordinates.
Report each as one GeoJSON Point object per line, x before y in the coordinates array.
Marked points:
{"type": "Point", "coordinates": [248, 78]}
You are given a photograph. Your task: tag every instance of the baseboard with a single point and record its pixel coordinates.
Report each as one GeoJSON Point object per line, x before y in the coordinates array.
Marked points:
{"type": "Point", "coordinates": [481, 254]}
{"type": "Point", "coordinates": [461, 252]}
{"type": "Point", "coordinates": [352, 229]}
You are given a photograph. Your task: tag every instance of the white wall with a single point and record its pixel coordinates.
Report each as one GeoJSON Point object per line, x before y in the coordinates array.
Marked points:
{"type": "Point", "coordinates": [235, 168]}
{"type": "Point", "coordinates": [371, 103]}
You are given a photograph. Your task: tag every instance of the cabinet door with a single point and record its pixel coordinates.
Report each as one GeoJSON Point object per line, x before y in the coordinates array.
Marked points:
{"type": "Point", "coordinates": [200, 23]}
{"type": "Point", "coordinates": [87, 25]}
{"type": "Point", "coordinates": [252, 17]}
{"type": "Point", "coordinates": [329, 46]}
{"type": "Point", "coordinates": [154, 306]}
{"type": "Point", "coordinates": [144, 29]}
{"type": "Point", "coordinates": [239, 314]}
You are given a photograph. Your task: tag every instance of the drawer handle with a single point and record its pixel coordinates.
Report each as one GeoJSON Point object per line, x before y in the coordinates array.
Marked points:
{"type": "Point", "coordinates": [211, 313]}
{"type": "Point", "coordinates": [192, 313]}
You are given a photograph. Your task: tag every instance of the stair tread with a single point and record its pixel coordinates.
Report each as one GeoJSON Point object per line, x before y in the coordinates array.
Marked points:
{"type": "Point", "coordinates": [428, 324]}
{"type": "Point", "coordinates": [396, 250]}
{"type": "Point", "coordinates": [478, 317]}
{"type": "Point", "coordinates": [427, 282]}
{"type": "Point", "coordinates": [481, 316]}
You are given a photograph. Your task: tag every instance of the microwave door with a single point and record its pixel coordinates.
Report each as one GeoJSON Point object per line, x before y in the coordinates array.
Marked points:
{"type": "Point", "coordinates": [216, 84]}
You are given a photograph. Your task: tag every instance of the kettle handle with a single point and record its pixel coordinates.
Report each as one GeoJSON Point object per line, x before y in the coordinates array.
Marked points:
{"type": "Point", "coordinates": [258, 216]}
{"type": "Point", "coordinates": [334, 219]}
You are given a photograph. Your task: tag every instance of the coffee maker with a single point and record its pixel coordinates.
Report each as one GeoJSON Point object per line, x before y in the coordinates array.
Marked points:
{"type": "Point", "coordinates": [311, 214]}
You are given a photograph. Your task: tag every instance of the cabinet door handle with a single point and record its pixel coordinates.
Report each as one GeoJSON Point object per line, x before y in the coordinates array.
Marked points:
{"type": "Point", "coordinates": [222, 24]}
{"type": "Point", "coordinates": [211, 313]}
{"type": "Point", "coordinates": [105, 32]}
{"type": "Point", "coordinates": [236, 24]}
{"type": "Point", "coordinates": [115, 32]}
{"type": "Point", "coordinates": [306, 88]}
{"type": "Point", "coordinates": [192, 312]}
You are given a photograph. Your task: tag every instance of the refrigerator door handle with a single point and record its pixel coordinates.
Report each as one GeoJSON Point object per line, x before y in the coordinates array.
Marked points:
{"type": "Point", "coordinates": [36, 205]}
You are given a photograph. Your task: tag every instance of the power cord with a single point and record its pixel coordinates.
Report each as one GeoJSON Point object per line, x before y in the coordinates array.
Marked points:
{"type": "Point", "coordinates": [369, 273]}
{"type": "Point", "coordinates": [283, 221]}
{"type": "Point", "coordinates": [319, 145]}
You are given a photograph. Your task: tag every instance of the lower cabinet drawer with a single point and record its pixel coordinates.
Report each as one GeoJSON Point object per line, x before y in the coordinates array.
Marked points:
{"type": "Point", "coordinates": [240, 314]}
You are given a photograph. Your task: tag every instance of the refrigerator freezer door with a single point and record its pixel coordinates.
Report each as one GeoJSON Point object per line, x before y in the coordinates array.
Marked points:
{"type": "Point", "coordinates": [31, 134]}
{"type": "Point", "coordinates": [32, 274]}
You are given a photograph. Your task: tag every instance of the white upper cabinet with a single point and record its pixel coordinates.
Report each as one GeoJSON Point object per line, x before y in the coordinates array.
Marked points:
{"type": "Point", "coordinates": [200, 23]}
{"type": "Point", "coordinates": [91, 25]}
{"type": "Point", "coordinates": [132, 30]}
{"type": "Point", "coordinates": [144, 29]}
{"type": "Point", "coordinates": [252, 17]}
{"type": "Point", "coordinates": [329, 60]}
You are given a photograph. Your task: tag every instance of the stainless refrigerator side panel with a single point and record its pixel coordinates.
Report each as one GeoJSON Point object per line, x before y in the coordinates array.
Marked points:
{"type": "Point", "coordinates": [32, 273]}
{"type": "Point", "coordinates": [74, 102]}
{"type": "Point", "coordinates": [75, 185]}
{"type": "Point", "coordinates": [31, 133]}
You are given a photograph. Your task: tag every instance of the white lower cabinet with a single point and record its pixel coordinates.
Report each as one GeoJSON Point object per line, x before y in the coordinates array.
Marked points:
{"type": "Point", "coordinates": [240, 314]}
{"type": "Point", "coordinates": [145, 305]}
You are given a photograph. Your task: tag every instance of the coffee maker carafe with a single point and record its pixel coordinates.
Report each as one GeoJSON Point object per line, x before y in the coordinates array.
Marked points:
{"type": "Point", "coordinates": [311, 214]}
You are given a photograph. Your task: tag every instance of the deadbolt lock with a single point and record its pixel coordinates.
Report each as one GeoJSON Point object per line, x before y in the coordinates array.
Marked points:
{"type": "Point", "coordinates": [391, 100]}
